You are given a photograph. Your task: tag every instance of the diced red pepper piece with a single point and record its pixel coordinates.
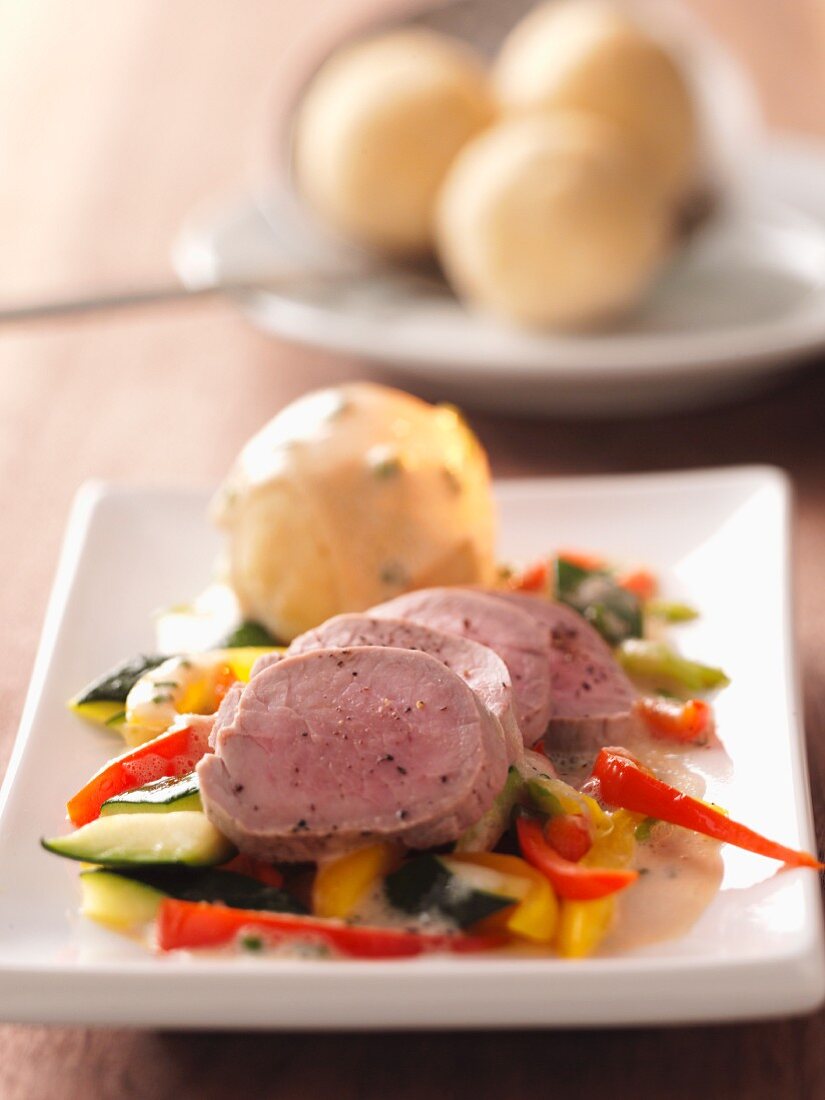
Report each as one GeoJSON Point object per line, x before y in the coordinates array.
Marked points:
{"type": "Point", "coordinates": [690, 721]}
{"type": "Point", "coordinates": [573, 881]}
{"type": "Point", "coordinates": [569, 834]}
{"type": "Point", "coordinates": [626, 783]}
{"type": "Point", "coordinates": [532, 579]}
{"type": "Point", "coordinates": [263, 872]}
{"type": "Point", "coordinates": [204, 924]}
{"type": "Point", "coordinates": [641, 582]}
{"type": "Point", "coordinates": [173, 753]}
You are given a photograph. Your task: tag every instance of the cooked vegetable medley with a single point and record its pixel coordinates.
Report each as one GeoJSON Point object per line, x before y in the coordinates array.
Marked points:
{"type": "Point", "coordinates": [455, 770]}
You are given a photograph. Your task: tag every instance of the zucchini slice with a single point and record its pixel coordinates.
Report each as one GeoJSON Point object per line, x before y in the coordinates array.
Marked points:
{"type": "Point", "coordinates": [128, 900]}
{"type": "Point", "coordinates": [167, 795]}
{"type": "Point", "coordinates": [121, 839]}
{"type": "Point", "coordinates": [118, 902]}
{"type": "Point", "coordinates": [464, 892]}
{"type": "Point", "coordinates": [211, 884]}
{"type": "Point", "coordinates": [103, 701]}
{"type": "Point", "coordinates": [494, 822]}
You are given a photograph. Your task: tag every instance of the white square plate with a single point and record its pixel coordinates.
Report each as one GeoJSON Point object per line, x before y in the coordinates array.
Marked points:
{"type": "Point", "coordinates": [719, 538]}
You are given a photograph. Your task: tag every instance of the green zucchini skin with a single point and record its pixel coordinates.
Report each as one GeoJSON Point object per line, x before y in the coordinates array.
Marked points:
{"type": "Point", "coordinates": [120, 840]}
{"type": "Point", "coordinates": [129, 900]}
{"type": "Point", "coordinates": [428, 883]}
{"type": "Point", "coordinates": [116, 902]}
{"type": "Point", "coordinates": [247, 634]}
{"type": "Point", "coordinates": [113, 686]}
{"type": "Point", "coordinates": [211, 884]}
{"type": "Point", "coordinates": [160, 796]}
{"type": "Point", "coordinates": [494, 822]}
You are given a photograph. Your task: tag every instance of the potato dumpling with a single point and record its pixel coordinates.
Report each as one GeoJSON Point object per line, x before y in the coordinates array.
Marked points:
{"type": "Point", "coordinates": [349, 496]}
{"type": "Point", "coordinates": [378, 129]}
{"type": "Point", "coordinates": [543, 221]}
{"type": "Point", "coordinates": [586, 55]}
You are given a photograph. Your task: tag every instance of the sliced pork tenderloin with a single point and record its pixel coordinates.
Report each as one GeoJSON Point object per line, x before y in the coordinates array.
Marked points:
{"type": "Point", "coordinates": [521, 642]}
{"type": "Point", "coordinates": [476, 664]}
{"type": "Point", "coordinates": [225, 713]}
{"type": "Point", "coordinates": [335, 748]}
{"type": "Point", "coordinates": [593, 700]}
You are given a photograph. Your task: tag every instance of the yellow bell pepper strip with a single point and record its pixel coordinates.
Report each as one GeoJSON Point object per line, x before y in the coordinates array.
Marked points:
{"type": "Point", "coordinates": [172, 753]}
{"type": "Point", "coordinates": [535, 916]}
{"type": "Point", "coordinates": [690, 722]}
{"type": "Point", "coordinates": [553, 796]}
{"type": "Point", "coordinates": [655, 661]}
{"type": "Point", "coordinates": [341, 883]}
{"type": "Point", "coordinates": [617, 847]}
{"type": "Point", "coordinates": [575, 881]}
{"type": "Point", "coordinates": [583, 925]}
{"type": "Point", "coordinates": [188, 924]}
{"type": "Point", "coordinates": [627, 783]}
{"type": "Point", "coordinates": [241, 659]}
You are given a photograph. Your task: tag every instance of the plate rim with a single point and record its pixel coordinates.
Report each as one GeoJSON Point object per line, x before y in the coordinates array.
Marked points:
{"type": "Point", "coordinates": [776, 344]}
{"type": "Point", "coordinates": [26, 1000]}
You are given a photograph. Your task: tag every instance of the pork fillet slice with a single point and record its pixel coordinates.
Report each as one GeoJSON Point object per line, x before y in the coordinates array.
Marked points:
{"type": "Point", "coordinates": [593, 700]}
{"type": "Point", "coordinates": [521, 642]}
{"type": "Point", "coordinates": [335, 748]}
{"type": "Point", "coordinates": [476, 664]}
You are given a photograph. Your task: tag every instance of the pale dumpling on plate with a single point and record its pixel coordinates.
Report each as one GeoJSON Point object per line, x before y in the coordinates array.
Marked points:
{"type": "Point", "coordinates": [591, 56]}
{"type": "Point", "coordinates": [544, 220]}
{"type": "Point", "coordinates": [377, 131]}
{"type": "Point", "coordinates": [349, 496]}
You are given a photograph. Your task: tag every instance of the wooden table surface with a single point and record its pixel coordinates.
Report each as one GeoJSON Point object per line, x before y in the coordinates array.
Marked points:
{"type": "Point", "coordinates": [114, 119]}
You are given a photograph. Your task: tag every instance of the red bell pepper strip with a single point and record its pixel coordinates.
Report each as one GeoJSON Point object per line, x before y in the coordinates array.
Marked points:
{"type": "Point", "coordinates": [626, 783]}
{"type": "Point", "coordinates": [258, 869]}
{"type": "Point", "coordinates": [569, 835]}
{"type": "Point", "coordinates": [570, 880]}
{"type": "Point", "coordinates": [203, 924]}
{"type": "Point", "coordinates": [171, 754]}
{"type": "Point", "coordinates": [690, 721]}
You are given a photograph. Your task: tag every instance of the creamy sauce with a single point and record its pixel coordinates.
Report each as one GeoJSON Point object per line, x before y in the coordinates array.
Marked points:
{"type": "Point", "coordinates": [374, 909]}
{"type": "Point", "coordinates": [680, 875]}
{"type": "Point", "coordinates": [681, 871]}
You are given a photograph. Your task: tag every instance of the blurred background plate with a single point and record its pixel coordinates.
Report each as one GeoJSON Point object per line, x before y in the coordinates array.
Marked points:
{"type": "Point", "coordinates": [738, 304]}
{"type": "Point", "coordinates": [742, 304]}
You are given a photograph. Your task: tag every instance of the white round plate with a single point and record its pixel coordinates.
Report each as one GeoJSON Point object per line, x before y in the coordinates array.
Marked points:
{"type": "Point", "coordinates": [744, 302]}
